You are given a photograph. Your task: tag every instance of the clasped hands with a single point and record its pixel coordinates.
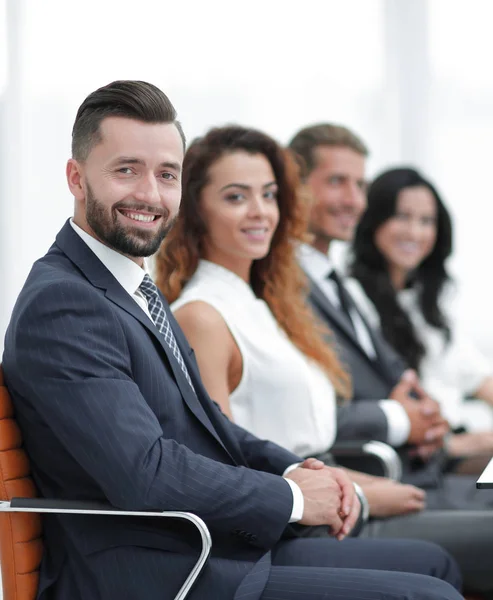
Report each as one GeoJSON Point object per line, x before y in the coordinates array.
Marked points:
{"type": "Point", "coordinates": [329, 497]}
{"type": "Point", "coordinates": [428, 427]}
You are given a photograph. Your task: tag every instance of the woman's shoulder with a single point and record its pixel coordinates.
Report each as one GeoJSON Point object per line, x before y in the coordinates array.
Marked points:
{"type": "Point", "coordinates": [198, 300]}
{"type": "Point", "coordinates": [362, 301]}
{"type": "Point", "coordinates": [201, 288]}
{"type": "Point", "coordinates": [192, 292]}
{"type": "Point", "coordinates": [409, 298]}
{"type": "Point", "coordinates": [200, 316]}
{"type": "Point", "coordinates": [208, 301]}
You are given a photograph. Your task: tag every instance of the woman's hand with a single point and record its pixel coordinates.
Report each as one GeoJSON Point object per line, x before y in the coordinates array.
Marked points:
{"type": "Point", "coordinates": [462, 445]}
{"type": "Point", "coordinates": [388, 498]}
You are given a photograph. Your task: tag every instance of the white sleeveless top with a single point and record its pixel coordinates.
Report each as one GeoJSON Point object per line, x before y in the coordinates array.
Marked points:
{"type": "Point", "coordinates": [283, 396]}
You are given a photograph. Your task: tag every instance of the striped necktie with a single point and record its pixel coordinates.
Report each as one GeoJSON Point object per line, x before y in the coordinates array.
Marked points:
{"type": "Point", "coordinates": [158, 314]}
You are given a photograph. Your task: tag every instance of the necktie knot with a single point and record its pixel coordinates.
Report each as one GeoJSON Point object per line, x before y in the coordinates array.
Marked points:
{"type": "Point", "coordinates": [148, 287]}
{"type": "Point", "coordinates": [332, 274]}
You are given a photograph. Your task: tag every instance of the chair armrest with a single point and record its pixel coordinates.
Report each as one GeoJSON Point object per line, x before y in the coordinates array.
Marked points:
{"type": "Point", "coordinates": [371, 457]}
{"type": "Point", "coordinates": [44, 505]}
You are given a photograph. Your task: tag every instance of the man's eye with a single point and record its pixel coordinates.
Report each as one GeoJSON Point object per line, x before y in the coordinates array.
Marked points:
{"type": "Point", "coordinates": [125, 170]}
{"type": "Point", "coordinates": [167, 176]}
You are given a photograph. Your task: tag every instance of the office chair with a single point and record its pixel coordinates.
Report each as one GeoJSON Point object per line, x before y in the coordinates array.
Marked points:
{"type": "Point", "coordinates": [21, 544]}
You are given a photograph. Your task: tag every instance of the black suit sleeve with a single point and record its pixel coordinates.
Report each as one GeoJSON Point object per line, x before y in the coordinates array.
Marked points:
{"type": "Point", "coordinates": [362, 420]}
{"type": "Point", "coordinates": [69, 356]}
{"type": "Point", "coordinates": [263, 455]}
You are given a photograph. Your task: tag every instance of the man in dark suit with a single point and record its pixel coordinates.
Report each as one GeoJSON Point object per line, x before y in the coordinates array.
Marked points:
{"type": "Point", "coordinates": [112, 409]}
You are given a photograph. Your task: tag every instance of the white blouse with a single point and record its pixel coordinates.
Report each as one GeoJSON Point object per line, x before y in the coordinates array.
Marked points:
{"type": "Point", "coordinates": [449, 371]}
{"type": "Point", "coordinates": [283, 396]}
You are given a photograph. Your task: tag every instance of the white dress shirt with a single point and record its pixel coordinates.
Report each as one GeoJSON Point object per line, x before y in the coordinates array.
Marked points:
{"type": "Point", "coordinates": [127, 272]}
{"type": "Point", "coordinates": [319, 266]}
{"type": "Point", "coordinates": [449, 371]}
{"type": "Point", "coordinates": [129, 275]}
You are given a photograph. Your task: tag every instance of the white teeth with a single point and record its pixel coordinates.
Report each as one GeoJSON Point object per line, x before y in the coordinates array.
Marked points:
{"type": "Point", "coordinates": [139, 217]}
{"type": "Point", "coordinates": [256, 231]}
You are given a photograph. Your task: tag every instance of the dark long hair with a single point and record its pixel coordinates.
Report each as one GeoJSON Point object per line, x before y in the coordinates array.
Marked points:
{"type": "Point", "coordinates": [276, 278]}
{"type": "Point", "coordinates": [370, 268]}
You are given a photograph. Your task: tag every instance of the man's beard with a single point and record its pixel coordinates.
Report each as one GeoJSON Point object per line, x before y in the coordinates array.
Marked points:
{"type": "Point", "coordinates": [129, 241]}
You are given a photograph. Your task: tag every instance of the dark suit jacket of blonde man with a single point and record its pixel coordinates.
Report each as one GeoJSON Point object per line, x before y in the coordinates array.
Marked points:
{"type": "Point", "coordinates": [363, 418]}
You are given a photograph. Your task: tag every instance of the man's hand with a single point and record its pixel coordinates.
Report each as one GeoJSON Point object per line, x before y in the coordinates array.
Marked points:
{"type": "Point", "coordinates": [388, 498]}
{"type": "Point", "coordinates": [345, 517]}
{"type": "Point", "coordinates": [427, 425]}
{"type": "Point", "coordinates": [409, 379]}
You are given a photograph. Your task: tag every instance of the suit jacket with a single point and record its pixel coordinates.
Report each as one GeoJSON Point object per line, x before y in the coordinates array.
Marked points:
{"type": "Point", "coordinates": [107, 415]}
{"type": "Point", "coordinates": [373, 380]}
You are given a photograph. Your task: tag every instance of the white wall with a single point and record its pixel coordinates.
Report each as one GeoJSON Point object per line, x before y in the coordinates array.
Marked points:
{"type": "Point", "coordinates": [411, 77]}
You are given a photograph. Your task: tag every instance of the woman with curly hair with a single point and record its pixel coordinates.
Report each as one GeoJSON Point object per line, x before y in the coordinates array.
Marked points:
{"type": "Point", "coordinates": [229, 269]}
{"type": "Point", "coordinates": [399, 279]}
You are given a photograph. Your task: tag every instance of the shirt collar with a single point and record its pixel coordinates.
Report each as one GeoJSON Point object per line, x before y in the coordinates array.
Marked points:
{"type": "Point", "coordinates": [315, 264]}
{"type": "Point", "coordinates": [128, 273]}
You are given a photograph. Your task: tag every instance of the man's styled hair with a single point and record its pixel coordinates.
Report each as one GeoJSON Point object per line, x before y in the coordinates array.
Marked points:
{"type": "Point", "coordinates": [137, 100]}
{"type": "Point", "coordinates": [305, 142]}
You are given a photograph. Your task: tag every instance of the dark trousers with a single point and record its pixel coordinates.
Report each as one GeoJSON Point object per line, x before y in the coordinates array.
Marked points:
{"type": "Point", "coordinates": [467, 535]}
{"type": "Point", "coordinates": [360, 569]}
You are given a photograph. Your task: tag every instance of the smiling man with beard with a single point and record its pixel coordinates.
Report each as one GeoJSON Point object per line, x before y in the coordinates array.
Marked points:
{"type": "Point", "coordinates": [141, 240]}
{"type": "Point", "coordinates": [127, 201]}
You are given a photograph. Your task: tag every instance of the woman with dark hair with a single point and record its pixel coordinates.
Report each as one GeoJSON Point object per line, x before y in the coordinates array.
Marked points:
{"type": "Point", "coordinates": [399, 280]}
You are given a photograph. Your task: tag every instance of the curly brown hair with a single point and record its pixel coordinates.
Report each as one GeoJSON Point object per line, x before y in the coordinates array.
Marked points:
{"type": "Point", "coordinates": [277, 278]}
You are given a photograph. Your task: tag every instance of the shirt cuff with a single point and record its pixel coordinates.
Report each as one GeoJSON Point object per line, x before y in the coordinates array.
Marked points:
{"type": "Point", "coordinates": [398, 423]}
{"type": "Point", "coordinates": [298, 502]}
{"type": "Point", "coordinates": [291, 468]}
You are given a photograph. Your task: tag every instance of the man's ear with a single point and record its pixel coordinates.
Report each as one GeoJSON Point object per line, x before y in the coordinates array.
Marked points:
{"type": "Point", "coordinates": [305, 194]}
{"type": "Point", "coordinates": [74, 172]}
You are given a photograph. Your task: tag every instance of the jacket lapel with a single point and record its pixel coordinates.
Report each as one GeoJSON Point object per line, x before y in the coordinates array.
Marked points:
{"type": "Point", "coordinates": [213, 412]}
{"type": "Point", "coordinates": [325, 306]}
{"type": "Point", "coordinates": [94, 270]}
{"type": "Point", "coordinates": [339, 320]}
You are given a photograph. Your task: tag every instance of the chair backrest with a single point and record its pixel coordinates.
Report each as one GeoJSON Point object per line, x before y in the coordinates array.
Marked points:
{"type": "Point", "coordinates": [21, 545]}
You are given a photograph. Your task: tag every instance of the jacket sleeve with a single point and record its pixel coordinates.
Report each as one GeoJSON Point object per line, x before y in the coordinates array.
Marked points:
{"type": "Point", "coordinates": [67, 359]}
{"type": "Point", "coordinates": [362, 420]}
{"type": "Point", "coordinates": [264, 455]}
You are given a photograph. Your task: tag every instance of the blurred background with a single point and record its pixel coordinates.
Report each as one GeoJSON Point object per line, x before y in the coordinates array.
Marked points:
{"type": "Point", "coordinates": [412, 77]}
